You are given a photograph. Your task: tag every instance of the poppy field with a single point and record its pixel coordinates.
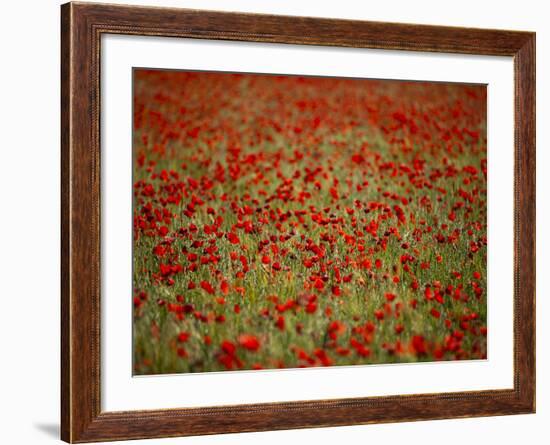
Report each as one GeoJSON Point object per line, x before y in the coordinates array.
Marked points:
{"type": "Point", "coordinates": [289, 222]}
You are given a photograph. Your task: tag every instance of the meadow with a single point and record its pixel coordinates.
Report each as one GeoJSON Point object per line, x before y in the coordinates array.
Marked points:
{"type": "Point", "coordinates": [287, 222]}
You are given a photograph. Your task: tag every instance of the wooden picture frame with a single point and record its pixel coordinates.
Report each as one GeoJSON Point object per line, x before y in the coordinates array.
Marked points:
{"type": "Point", "coordinates": [82, 25]}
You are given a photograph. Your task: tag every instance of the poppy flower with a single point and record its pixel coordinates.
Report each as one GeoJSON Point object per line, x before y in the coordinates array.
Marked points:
{"type": "Point", "coordinates": [183, 336]}
{"type": "Point", "coordinates": [207, 287]}
{"type": "Point", "coordinates": [311, 307]}
{"type": "Point", "coordinates": [418, 345]}
{"type": "Point", "coordinates": [224, 287]}
{"type": "Point", "coordinates": [249, 342]}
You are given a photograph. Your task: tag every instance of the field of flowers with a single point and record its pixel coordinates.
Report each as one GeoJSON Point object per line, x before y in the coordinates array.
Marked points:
{"type": "Point", "coordinates": [285, 221]}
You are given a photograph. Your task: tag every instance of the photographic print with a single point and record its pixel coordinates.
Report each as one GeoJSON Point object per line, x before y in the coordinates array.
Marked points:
{"type": "Point", "coordinates": [284, 221]}
{"type": "Point", "coordinates": [307, 237]}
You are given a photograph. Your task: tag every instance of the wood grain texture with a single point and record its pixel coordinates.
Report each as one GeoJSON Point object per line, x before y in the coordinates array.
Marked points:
{"type": "Point", "coordinates": [65, 226]}
{"type": "Point", "coordinates": [81, 28]}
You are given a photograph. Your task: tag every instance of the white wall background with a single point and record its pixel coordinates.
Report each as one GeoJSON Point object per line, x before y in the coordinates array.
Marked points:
{"type": "Point", "coordinates": [29, 219]}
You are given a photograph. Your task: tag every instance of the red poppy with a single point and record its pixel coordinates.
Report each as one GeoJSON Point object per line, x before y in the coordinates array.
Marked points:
{"type": "Point", "coordinates": [224, 287]}
{"type": "Point", "coordinates": [207, 287]}
{"type": "Point", "coordinates": [249, 342]}
{"type": "Point", "coordinates": [418, 345]}
{"type": "Point", "coordinates": [183, 336]}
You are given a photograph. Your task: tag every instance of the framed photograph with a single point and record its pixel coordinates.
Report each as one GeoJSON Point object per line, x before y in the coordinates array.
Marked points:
{"type": "Point", "coordinates": [274, 222]}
